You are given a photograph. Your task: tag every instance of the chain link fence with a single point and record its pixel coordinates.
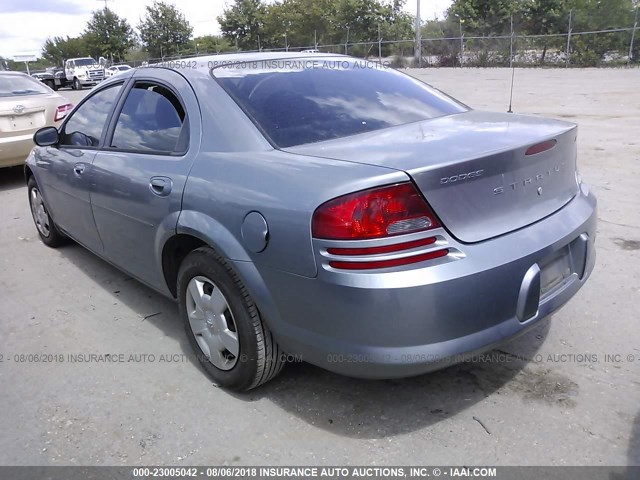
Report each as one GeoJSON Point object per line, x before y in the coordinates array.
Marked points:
{"type": "Point", "coordinates": [613, 48]}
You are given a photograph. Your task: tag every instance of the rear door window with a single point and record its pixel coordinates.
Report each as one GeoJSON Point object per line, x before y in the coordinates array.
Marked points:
{"type": "Point", "coordinates": [152, 120]}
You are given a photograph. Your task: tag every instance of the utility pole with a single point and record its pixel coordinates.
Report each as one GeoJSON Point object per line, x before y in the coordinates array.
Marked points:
{"type": "Point", "coordinates": [566, 61]}
{"type": "Point", "coordinates": [633, 34]}
{"type": "Point", "coordinates": [418, 47]}
{"type": "Point", "coordinates": [461, 41]}
{"type": "Point", "coordinates": [346, 43]}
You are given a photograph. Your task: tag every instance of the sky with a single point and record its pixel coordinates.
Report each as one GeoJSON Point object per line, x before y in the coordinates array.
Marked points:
{"type": "Point", "coordinates": [26, 24]}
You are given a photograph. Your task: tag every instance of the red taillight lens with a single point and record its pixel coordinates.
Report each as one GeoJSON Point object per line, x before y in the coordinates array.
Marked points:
{"type": "Point", "coordinates": [541, 147]}
{"type": "Point", "coordinates": [375, 213]}
{"type": "Point", "coordinates": [62, 112]}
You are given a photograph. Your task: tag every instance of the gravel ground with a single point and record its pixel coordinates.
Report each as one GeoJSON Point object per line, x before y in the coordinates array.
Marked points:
{"type": "Point", "coordinates": [551, 397]}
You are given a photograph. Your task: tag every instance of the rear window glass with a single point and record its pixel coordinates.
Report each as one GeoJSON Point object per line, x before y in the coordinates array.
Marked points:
{"type": "Point", "coordinates": [298, 101]}
{"type": "Point", "coordinates": [15, 85]}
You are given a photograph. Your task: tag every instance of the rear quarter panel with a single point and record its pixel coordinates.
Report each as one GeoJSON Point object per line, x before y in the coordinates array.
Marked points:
{"type": "Point", "coordinates": [238, 172]}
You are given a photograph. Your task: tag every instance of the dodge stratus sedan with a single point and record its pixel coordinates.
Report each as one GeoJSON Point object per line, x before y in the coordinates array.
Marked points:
{"type": "Point", "coordinates": [321, 206]}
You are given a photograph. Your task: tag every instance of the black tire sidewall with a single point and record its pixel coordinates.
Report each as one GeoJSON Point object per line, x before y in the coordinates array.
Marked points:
{"type": "Point", "coordinates": [204, 263]}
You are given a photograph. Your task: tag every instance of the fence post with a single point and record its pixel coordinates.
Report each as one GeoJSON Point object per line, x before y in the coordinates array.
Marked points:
{"type": "Point", "coordinates": [566, 61]}
{"type": "Point", "coordinates": [633, 34]}
{"type": "Point", "coordinates": [379, 46]}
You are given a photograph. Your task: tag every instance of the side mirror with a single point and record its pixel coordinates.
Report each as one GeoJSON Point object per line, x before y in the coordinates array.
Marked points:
{"type": "Point", "coordinates": [46, 137]}
{"type": "Point", "coordinates": [102, 61]}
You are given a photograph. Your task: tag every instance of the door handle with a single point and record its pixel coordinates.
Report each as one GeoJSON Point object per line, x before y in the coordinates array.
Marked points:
{"type": "Point", "coordinates": [160, 186]}
{"type": "Point", "coordinates": [79, 168]}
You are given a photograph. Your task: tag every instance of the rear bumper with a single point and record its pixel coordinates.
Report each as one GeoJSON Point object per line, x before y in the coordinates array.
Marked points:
{"type": "Point", "coordinates": [15, 150]}
{"type": "Point", "coordinates": [404, 323]}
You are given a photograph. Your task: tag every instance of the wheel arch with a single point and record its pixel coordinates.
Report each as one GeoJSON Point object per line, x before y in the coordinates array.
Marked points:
{"type": "Point", "coordinates": [175, 249]}
{"type": "Point", "coordinates": [28, 173]}
{"type": "Point", "coordinates": [194, 230]}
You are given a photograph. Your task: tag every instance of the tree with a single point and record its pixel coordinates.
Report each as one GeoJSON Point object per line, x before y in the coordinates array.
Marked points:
{"type": "Point", "coordinates": [212, 44]}
{"type": "Point", "coordinates": [243, 22]}
{"type": "Point", "coordinates": [485, 18]}
{"type": "Point", "coordinates": [108, 35]}
{"type": "Point", "coordinates": [58, 49]}
{"type": "Point", "coordinates": [164, 30]}
{"type": "Point", "coordinates": [544, 17]}
{"type": "Point", "coordinates": [594, 15]}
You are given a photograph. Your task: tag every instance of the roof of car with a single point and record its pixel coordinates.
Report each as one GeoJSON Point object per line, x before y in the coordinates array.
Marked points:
{"type": "Point", "coordinates": [10, 72]}
{"type": "Point", "coordinates": [205, 62]}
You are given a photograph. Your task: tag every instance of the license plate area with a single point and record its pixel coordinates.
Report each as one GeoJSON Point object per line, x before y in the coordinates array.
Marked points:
{"type": "Point", "coordinates": [16, 123]}
{"type": "Point", "coordinates": [554, 271]}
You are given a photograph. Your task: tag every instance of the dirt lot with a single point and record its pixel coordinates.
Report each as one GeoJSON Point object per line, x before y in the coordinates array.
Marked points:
{"type": "Point", "coordinates": [550, 397]}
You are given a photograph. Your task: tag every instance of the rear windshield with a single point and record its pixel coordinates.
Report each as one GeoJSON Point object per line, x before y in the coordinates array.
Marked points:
{"type": "Point", "coordinates": [14, 85]}
{"type": "Point", "coordinates": [298, 101]}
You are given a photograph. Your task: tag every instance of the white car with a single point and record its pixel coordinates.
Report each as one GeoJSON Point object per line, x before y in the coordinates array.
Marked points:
{"type": "Point", "coordinates": [311, 50]}
{"type": "Point", "coordinates": [115, 69]}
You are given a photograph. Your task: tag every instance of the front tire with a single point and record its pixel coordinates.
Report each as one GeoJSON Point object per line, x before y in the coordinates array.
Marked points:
{"type": "Point", "coordinates": [76, 84]}
{"type": "Point", "coordinates": [48, 231]}
{"type": "Point", "coordinates": [231, 342]}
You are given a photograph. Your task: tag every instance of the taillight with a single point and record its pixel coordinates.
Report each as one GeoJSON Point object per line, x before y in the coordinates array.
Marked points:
{"type": "Point", "coordinates": [375, 213]}
{"type": "Point", "coordinates": [541, 147]}
{"type": "Point", "coordinates": [62, 112]}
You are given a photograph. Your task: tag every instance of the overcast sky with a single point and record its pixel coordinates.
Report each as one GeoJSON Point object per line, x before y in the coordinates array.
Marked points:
{"type": "Point", "coordinates": [26, 24]}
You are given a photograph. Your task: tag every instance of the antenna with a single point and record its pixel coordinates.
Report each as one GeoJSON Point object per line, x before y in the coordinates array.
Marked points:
{"type": "Point", "coordinates": [513, 72]}
{"type": "Point", "coordinates": [513, 69]}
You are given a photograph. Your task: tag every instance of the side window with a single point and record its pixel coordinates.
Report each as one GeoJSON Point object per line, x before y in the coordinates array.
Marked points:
{"type": "Point", "coordinates": [84, 128]}
{"type": "Point", "coordinates": [152, 120]}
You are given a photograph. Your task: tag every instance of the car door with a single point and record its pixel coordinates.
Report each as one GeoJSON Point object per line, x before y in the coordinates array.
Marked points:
{"type": "Point", "coordinates": [139, 177]}
{"type": "Point", "coordinates": [65, 168]}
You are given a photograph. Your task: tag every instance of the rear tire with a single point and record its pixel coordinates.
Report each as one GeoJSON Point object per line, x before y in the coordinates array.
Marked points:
{"type": "Point", "coordinates": [47, 229]}
{"type": "Point", "coordinates": [223, 325]}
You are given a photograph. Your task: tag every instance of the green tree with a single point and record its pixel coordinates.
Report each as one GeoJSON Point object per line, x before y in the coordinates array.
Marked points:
{"type": "Point", "coordinates": [58, 49]}
{"type": "Point", "coordinates": [212, 44]}
{"type": "Point", "coordinates": [485, 18]}
{"type": "Point", "coordinates": [108, 35]}
{"type": "Point", "coordinates": [164, 31]}
{"type": "Point", "coordinates": [242, 21]}
{"type": "Point", "coordinates": [545, 17]}
{"type": "Point", "coordinates": [594, 15]}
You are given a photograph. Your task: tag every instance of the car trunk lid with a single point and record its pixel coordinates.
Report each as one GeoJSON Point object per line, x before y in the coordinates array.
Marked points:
{"type": "Point", "coordinates": [24, 114]}
{"type": "Point", "coordinates": [474, 168]}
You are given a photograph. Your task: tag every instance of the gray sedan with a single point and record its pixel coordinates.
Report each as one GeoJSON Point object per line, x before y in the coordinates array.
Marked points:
{"type": "Point", "coordinates": [319, 205]}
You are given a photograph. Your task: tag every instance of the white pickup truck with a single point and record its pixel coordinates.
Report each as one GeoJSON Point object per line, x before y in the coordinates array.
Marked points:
{"type": "Point", "coordinates": [81, 72]}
